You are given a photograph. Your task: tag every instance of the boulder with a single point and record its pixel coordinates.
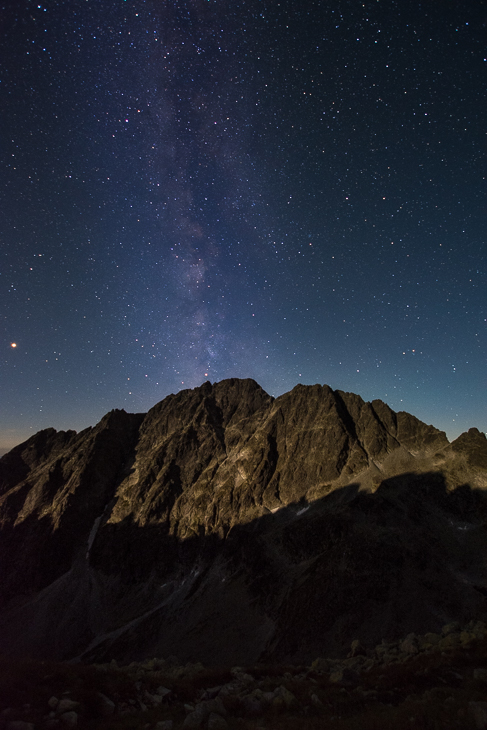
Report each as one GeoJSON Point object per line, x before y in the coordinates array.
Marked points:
{"type": "Point", "coordinates": [106, 707]}
{"type": "Point", "coordinates": [357, 649]}
{"type": "Point", "coordinates": [345, 676]}
{"type": "Point", "coordinates": [410, 644]}
{"type": "Point", "coordinates": [69, 719]}
{"type": "Point", "coordinates": [216, 722]}
{"type": "Point", "coordinates": [478, 714]}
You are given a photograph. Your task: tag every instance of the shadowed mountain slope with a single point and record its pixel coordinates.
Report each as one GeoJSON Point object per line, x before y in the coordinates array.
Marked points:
{"type": "Point", "coordinates": [228, 526]}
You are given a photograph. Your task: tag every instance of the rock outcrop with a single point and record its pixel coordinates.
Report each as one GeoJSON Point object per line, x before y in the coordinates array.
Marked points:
{"type": "Point", "coordinates": [419, 681]}
{"type": "Point", "coordinates": [228, 526]}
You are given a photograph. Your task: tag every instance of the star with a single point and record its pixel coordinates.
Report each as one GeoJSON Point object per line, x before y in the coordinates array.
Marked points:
{"type": "Point", "coordinates": [259, 195]}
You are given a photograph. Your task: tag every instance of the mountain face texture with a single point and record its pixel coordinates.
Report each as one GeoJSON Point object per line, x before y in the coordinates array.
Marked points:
{"type": "Point", "coordinates": [229, 527]}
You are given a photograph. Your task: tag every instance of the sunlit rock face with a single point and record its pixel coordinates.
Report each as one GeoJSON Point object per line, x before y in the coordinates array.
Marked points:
{"type": "Point", "coordinates": [229, 527]}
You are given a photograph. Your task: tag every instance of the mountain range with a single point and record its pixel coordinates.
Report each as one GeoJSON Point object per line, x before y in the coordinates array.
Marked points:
{"type": "Point", "coordinates": [230, 527]}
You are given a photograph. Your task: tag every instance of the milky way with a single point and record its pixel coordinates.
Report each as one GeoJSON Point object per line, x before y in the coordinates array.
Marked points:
{"type": "Point", "coordinates": [200, 190]}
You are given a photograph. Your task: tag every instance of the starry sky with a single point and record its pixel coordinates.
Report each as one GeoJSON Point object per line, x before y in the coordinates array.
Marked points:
{"type": "Point", "coordinates": [204, 189]}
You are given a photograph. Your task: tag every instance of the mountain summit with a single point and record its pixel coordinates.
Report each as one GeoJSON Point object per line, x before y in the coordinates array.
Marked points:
{"type": "Point", "coordinates": [230, 527]}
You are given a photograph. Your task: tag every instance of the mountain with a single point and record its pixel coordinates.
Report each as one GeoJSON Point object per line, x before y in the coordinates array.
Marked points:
{"type": "Point", "coordinates": [229, 527]}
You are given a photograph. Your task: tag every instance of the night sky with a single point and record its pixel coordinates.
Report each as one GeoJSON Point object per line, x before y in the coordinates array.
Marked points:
{"type": "Point", "coordinates": [288, 191]}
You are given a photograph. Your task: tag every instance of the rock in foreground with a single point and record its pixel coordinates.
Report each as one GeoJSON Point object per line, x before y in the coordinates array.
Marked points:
{"type": "Point", "coordinates": [432, 680]}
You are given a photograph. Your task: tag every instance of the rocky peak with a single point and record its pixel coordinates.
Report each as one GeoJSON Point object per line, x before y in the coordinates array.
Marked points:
{"type": "Point", "coordinates": [18, 462]}
{"type": "Point", "coordinates": [473, 446]}
{"type": "Point", "coordinates": [62, 483]}
{"type": "Point", "coordinates": [226, 508]}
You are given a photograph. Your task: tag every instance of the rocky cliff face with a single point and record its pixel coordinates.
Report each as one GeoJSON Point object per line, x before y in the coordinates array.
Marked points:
{"type": "Point", "coordinates": [227, 526]}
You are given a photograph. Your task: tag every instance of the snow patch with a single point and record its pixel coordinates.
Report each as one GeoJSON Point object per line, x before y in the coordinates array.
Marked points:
{"type": "Point", "coordinates": [92, 535]}
{"type": "Point", "coordinates": [464, 526]}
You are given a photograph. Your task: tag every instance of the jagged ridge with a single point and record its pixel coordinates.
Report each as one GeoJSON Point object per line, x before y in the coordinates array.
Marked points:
{"type": "Point", "coordinates": [225, 523]}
